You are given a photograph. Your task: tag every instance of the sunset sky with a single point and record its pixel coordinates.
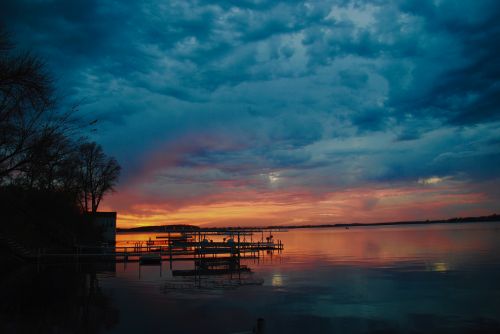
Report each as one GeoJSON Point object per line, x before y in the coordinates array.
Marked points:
{"type": "Point", "coordinates": [265, 112]}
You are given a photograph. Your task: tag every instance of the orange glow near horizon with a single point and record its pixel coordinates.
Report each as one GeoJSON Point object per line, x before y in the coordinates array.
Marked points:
{"type": "Point", "coordinates": [301, 208]}
{"type": "Point", "coordinates": [381, 245]}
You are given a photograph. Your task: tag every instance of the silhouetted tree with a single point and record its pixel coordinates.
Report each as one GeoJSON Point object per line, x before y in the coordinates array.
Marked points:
{"type": "Point", "coordinates": [47, 177]}
{"type": "Point", "coordinates": [99, 174]}
{"type": "Point", "coordinates": [29, 122]}
{"type": "Point", "coordinates": [47, 161]}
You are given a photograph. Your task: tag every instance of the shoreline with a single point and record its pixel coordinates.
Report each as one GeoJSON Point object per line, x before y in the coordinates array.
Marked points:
{"type": "Point", "coordinates": [181, 228]}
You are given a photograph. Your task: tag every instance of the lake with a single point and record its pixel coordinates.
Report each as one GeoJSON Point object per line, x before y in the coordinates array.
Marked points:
{"type": "Point", "coordinates": [440, 278]}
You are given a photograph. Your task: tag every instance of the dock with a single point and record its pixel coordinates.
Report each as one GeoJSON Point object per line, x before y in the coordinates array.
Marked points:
{"type": "Point", "coordinates": [175, 245]}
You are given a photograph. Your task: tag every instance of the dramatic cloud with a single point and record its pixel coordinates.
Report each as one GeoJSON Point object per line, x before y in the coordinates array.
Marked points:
{"type": "Point", "coordinates": [246, 112]}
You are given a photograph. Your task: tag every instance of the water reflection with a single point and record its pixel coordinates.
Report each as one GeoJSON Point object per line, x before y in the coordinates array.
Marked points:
{"type": "Point", "coordinates": [55, 299]}
{"type": "Point", "coordinates": [453, 246]}
{"type": "Point", "coordinates": [435, 279]}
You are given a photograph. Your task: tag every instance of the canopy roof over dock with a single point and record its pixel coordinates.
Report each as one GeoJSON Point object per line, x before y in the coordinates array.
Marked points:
{"type": "Point", "coordinates": [224, 231]}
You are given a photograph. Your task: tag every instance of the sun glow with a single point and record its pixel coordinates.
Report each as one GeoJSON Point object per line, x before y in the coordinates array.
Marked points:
{"type": "Point", "coordinates": [432, 180]}
{"type": "Point", "coordinates": [264, 208]}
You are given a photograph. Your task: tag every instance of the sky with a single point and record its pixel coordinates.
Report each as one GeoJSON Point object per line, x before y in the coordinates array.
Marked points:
{"type": "Point", "coordinates": [256, 112]}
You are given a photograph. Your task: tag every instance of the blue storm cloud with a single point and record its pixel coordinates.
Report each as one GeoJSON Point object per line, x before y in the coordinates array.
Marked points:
{"type": "Point", "coordinates": [330, 94]}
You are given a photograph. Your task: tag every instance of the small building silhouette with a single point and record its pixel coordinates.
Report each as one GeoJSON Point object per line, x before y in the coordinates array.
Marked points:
{"type": "Point", "coordinates": [106, 223]}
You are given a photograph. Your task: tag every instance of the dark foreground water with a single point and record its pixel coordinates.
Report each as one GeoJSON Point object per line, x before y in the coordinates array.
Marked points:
{"type": "Point", "coordinates": [405, 279]}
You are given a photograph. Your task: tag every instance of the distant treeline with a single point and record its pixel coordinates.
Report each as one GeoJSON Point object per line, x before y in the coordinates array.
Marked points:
{"type": "Point", "coordinates": [160, 228]}
{"type": "Point", "coordinates": [50, 172]}
{"type": "Point", "coordinates": [490, 218]}
{"type": "Point", "coordinates": [178, 227]}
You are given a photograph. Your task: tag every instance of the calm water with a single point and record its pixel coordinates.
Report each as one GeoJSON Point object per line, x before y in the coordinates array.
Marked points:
{"type": "Point", "coordinates": [415, 279]}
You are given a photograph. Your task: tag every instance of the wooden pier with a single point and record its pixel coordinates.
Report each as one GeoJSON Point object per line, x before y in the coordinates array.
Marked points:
{"type": "Point", "coordinates": [177, 246]}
